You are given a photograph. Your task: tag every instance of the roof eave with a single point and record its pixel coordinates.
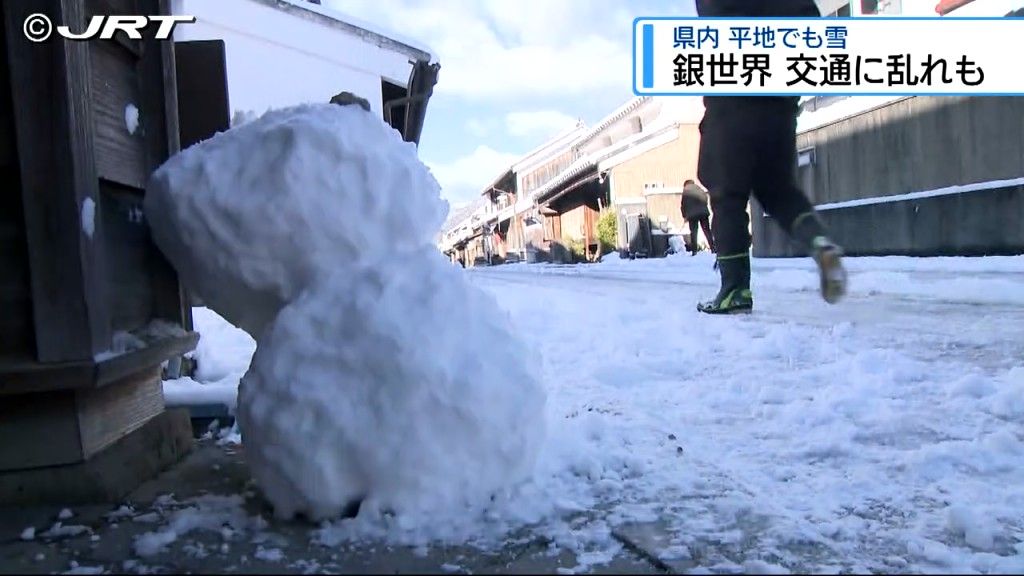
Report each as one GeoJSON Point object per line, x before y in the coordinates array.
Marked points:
{"type": "Point", "coordinates": [337, 20]}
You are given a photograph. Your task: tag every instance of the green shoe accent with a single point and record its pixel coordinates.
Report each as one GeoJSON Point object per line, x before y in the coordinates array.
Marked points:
{"type": "Point", "coordinates": [734, 256]}
{"type": "Point", "coordinates": [800, 219]}
{"type": "Point", "coordinates": [739, 301]}
{"type": "Point", "coordinates": [734, 295]}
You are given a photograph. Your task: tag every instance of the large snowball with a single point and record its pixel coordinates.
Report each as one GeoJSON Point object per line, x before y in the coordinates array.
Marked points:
{"type": "Point", "coordinates": [401, 384]}
{"type": "Point", "coordinates": [380, 373]}
{"type": "Point", "coordinates": [252, 215]}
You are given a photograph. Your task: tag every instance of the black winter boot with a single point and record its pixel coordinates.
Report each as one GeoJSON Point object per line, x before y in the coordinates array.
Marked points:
{"type": "Point", "coordinates": [734, 297]}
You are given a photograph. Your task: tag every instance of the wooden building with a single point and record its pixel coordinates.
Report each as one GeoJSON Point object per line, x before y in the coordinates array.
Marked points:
{"type": "Point", "coordinates": [89, 307]}
{"type": "Point", "coordinates": [633, 162]}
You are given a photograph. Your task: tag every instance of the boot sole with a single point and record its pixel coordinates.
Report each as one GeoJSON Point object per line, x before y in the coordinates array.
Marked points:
{"type": "Point", "coordinates": [833, 276]}
{"type": "Point", "coordinates": [727, 311]}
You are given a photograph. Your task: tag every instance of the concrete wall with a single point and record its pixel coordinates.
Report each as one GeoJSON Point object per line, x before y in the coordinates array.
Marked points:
{"type": "Point", "coordinates": [984, 223]}
{"type": "Point", "coordinates": [670, 165]}
{"type": "Point", "coordinates": [913, 145]}
{"type": "Point", "coordinates": [916, 144]}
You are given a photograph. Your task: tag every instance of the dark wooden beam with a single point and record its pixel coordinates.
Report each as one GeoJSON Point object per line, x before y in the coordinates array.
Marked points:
{"type": "Point", "coordinates": [53, 122]}
{"type": "Point", "coordinates": [30, 377]}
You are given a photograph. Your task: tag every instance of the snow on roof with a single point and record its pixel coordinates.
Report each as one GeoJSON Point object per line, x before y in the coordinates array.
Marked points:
{"type": "Point", "coordinates": [424, 52]}
{"type": "Point", "coordinates": [635, 145]}
{"type": "Point", "coordinates": [853, 106]}
{"type": "Point", "coordinates": [620, 113]}
{"type": "Point", "coordinates": [537, 155]}
{"type": "Point", "coordinates": [573, 170]}
{"type": "Point", "coordinates": [595, 158]}
{"type": "Point", "coordinates": [680, 109]}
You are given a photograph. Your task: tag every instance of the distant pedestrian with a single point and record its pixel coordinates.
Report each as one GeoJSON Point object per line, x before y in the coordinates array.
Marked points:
{"type": "Point", "coordinates": [694, 207]}
{"type": "Point", "coordinates": [748, 145]}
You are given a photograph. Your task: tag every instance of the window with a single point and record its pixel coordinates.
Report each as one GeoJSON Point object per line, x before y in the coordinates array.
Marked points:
{"type": "Point", "coordinates": [842, 12]}
{"type": "Point", "coordinates": [805, 162]}
{"type": "Point", "coordinates": [805, 157]}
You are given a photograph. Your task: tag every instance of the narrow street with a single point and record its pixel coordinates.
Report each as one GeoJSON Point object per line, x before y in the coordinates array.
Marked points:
{"type": "Point", "coordinates": [882, 434]}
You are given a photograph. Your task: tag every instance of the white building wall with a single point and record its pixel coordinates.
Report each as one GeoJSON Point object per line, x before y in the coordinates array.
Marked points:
{"type": "Point", "coordinates": [276, 59]}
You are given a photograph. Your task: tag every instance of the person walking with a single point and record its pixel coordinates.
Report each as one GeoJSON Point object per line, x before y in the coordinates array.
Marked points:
{"type": "Point", "coordinates": [748, 146]}
{"type": "Point", "coordinates": [694, 207]}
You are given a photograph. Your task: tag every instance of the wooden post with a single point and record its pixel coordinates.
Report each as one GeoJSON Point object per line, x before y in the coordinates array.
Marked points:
{"type": "Point", "coordinates": [53, 120]}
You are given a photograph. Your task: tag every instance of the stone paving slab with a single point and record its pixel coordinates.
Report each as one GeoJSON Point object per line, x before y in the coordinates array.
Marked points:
{"type": "Point", "coordinates": [91, 542]}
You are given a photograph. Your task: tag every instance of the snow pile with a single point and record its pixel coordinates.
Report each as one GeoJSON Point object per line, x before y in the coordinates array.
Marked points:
{"type": "Point", "coordinates": [131, 118]}
{"type": "Point", "coordinates": [380, 374]}
{"type": "Point", "coordinates": [406, 420]}
{"type": "Point", "coordinates": [252, 216]}
{"type": "Point", "coordinates": [222, 358]}
{"type": "Point", "coordinates": [223, 515]}
{"type": "Point", "coordinates": [89, 217]}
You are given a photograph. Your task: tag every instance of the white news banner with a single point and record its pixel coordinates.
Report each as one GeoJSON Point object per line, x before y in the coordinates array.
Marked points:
{"type": "Point", "coordinates": [818, 56]}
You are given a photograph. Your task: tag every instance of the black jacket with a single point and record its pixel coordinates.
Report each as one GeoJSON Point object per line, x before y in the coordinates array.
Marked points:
{"type": "Point", "coordinates": [757, 8]}
{"type": "Point", "coordinates": [694, 203]}
{"type": "Point", "coordinates": [727, 118]}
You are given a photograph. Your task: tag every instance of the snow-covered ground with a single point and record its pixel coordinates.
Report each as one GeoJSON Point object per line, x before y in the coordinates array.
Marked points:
{"type": "Point", "coordinates": [885, 433]}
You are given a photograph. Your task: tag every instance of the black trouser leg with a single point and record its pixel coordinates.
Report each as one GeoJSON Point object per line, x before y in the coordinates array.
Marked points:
{"type": "Point", "coordinates": [730, 225]}
{"type": "Point", "coordinates": [775, 185]}
{"type": "Point", "coordinates": [748, 145]}
{"type": "Point", "coordinates": [694, 225]}
{"type": "Point", "coordinates": [705, 224]}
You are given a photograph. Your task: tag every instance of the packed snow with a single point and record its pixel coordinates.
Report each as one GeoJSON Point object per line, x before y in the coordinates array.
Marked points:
{"type": "Point", "coordinates": [882, 434]}
{"type": "Point", "coordinates": [222, 358]}
{"type": "Point", "coordinates": [89, 217]}
{"type": "Point", "coordinates": [922, 194]}
{"type": "Point", "coordinates": [853, 106]}
{"type": "Point", "coordinates": [269, 554]}
{"type": "Point", "coordinates": [131, 118]}
{"type": "Point", "coordinates": [75, 568]}
{"type": "Point", "coordinates": [253, 215]}
{"type": "Point", "coordinates": [374, 378]}
{"type": "Point", "coordinates": [411, 420]}
{"type": "Point", "coordinates": [59, 530]}
{"type": "Point", "coordinates": [222, 515]}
